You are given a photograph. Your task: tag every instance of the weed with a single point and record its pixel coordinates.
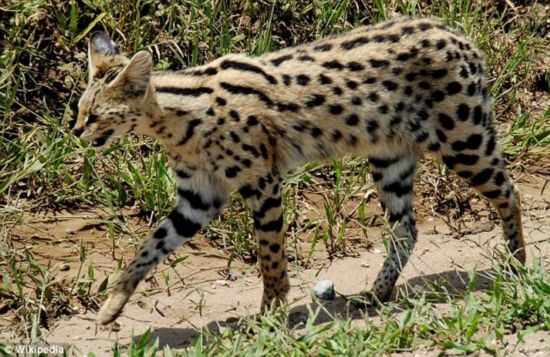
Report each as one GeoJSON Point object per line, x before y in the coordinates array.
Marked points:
{"type": "Point", "coordinates": [43, 72]}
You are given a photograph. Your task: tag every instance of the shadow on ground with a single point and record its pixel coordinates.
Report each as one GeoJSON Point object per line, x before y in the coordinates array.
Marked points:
{"type": "Point", "coordinates": [435, 287]}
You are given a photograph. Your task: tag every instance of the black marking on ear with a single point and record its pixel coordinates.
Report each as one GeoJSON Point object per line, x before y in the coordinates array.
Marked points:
{"type": "Point", "coordinates": [103, 44]}
{"type": "Point", "coordinates": [110, 74]}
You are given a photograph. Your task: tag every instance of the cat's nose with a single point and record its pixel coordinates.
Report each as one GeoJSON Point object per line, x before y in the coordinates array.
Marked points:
{"type": "Point", "coordinates": [77, 132]}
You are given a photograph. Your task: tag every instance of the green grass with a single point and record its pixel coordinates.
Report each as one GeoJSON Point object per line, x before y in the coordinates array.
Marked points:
{"type": "Point", "coordinates": [477, 321]}
{"type": "Point", "coordinates": [43, 72]}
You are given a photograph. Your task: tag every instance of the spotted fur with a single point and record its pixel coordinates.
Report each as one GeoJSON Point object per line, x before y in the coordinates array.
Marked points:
{"type": "Point", "coordinates": [391, 93]}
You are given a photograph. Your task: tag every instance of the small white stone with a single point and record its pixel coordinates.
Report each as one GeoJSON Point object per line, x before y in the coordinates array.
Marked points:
{"type": "Point", "coordinates": [222, 282]}
{"type": "Point", "coordinates": [324, 289]}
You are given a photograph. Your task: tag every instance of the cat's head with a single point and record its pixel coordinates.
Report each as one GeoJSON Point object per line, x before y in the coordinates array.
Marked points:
{"type": "Point", "coordinates": [117, 94]}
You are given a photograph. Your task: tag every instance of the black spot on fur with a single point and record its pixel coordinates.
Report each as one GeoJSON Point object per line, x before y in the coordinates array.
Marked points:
{"type": "Point", "coordinates": [478, 114]}
{"type": "Point", "coordinates": [398, 188]}
{"type": "Point", "coordinates": [334, 64]}
{"type": "Point", "coordinates": [275, 247]}
{"type": "Point", "coordinates": [492, 194]}
{"type": "Point", "coordinates": [438, 96]}
{"type": "Point", "coordinates": [379, 63]}
{"type": "Point", "coordinates": [252, 120]}
{"type": "Point", "coordinates": [279, 60]}
{"type": "Point", "coordinates": [446, 121]}
{"type": "Point", "coordinates": [288, 107]}
{"type": "Point", "coordinates": [323, 79]}
{"type": "Point", "coordinates": [464, 159]}
{"type": "Point", "coordinates": [372, 126]}
{"type": "Point", "coordinates": [373, 97]}
{"type": "Point", "coordinates": [351, 44]}
{"type": "Point", "coordinates": [355, 66]}
{"type": "Point", "coordinates": [183, 226]}
{"type": "Point", "coordinates": [287, 80]}
{"type": "Point", "coordinates": [195, 200]}
{"type": "Point", "coordinates": [247, 191]}
{"type": "Point", "coordinates": [160, 233]}
{"type": "Point", "coordinates": [247, 67]}
{"type": "Point", "coordinates": [263, 151]}
{"type": "Point", "coordinates": [491, 144]}
{"type": "Point", "coordinates": [245, 90]}
{"type": "Point", "coordinates": [315, 101]}
{"type": "Point", "coordinates": [471, 90]}
{"type": "Point", "coordinates": [390, 85]}
{"type": "Point", "coordinates": [303, 79]}
{"type": "Point", "coordinates": [192, 92]}
{"type": "Point", "coordinates": [356, 101]}
{"type": "Point", "coordinates": [383, 162]}
{"type": "Point", "coordinates": [335, 109]}
{"type": "Point", "coordinates": [352, 120]}
{"type": "Point", "coordinates": [351, 84]}
{"type": "Point", "coordinates": [424, 26]}
{"type": "Point", "coordinates": [463, 72]}
{"type": "Point", "coordinates": [482, 177]}
{"type": "Point", "coordinates": [234, 137]}
{"type": "Point", "coordinates": [191, 125]}
{"type": "Point", "coordinates": [306, 58]}
{"type": "Point", "coordinates": [472, 143]}
{"type": "Point", "coordinates": [234, 116]}
{"type": "Point", "coordinates": [316, 132]}
{"type": "Point", "coordinates": [424, 85]}
{"type": "Point", "coordinates": [231, 172]}
{"type": "Point", "coordinates": [325, 47]}
{"type": "Point", "coordinates": [439, 73]}
{"type": "Point", "coordinates": [453, 88]}
{"type": "Point", "coordinates": [383, 109]}
{"type": "Point", "coordinates": [407, 30]}
{"type": "Point", "coordinates": [463, 112]}
{"type": "Point", "coordinates": [440, 44]}
{"type": "Point", "coordinates": [465, 174]}
{"type": "Point", "coordinates": [499, 178]}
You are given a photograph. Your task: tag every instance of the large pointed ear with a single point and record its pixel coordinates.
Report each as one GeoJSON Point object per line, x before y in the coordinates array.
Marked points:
{"type": "Point", "coordinates": [102, 53]}
{"type": "Point", "coordinates": [137, 73]}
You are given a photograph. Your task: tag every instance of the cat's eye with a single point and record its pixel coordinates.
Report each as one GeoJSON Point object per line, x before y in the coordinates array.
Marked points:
{"type": "Point", "coordinates": [91, 119]}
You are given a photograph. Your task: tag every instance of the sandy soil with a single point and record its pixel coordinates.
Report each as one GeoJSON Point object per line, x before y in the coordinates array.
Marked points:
{"type": "Point", "coordinates": [199, 294]}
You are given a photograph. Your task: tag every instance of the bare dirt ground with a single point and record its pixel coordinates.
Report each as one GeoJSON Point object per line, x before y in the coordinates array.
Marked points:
{"type": "Point", "coordinates": [201, 293]}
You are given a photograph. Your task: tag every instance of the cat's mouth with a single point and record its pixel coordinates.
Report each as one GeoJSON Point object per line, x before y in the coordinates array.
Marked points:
{"type": "Point", "coordinates": [101, 140]}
